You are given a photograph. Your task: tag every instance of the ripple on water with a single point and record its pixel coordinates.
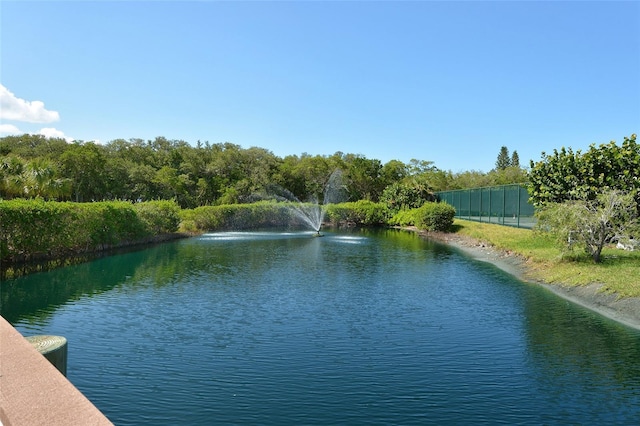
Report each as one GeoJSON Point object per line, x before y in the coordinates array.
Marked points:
{"type": "Point", "coordinates": [279, 328]}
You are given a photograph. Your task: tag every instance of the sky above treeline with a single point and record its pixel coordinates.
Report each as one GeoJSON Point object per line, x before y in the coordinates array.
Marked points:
{"type": "Point", "coordinates": [448, 82]}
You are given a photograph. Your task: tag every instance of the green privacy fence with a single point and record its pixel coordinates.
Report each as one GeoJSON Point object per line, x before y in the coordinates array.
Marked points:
{"type": "Point", "coordinates": [505, 205]}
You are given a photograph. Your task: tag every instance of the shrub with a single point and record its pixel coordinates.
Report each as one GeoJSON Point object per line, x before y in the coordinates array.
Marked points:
{"type": "Point", "coordinates": [110, 223]}
{"type": "Point", "coordinates": [159, 216]}
{"type": "Point", "coordinates": [404, 218]}
{"type": "Point", "coordinates": [590, 224]}
{"type": "Point", "coordinates": [35, 228]}
{"type": "Point", "coordinates": [362, 213]}
{"type": "Point", "coordinates": [431, 217]}
{"type": "Point", "coordinates": [568, 175]}
{"type": "Point", "coordinates": [405, 195]}
{"type": "Point", "coordinates": [265, 214]}
{"type": "Point", "coordinates": [239, 216]}
{"type": "Point", "coordinates": [435, 216]}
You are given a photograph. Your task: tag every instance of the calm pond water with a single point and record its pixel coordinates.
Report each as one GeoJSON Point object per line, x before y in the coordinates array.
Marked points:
{"type": "Point", "coordinates": [368, 327]}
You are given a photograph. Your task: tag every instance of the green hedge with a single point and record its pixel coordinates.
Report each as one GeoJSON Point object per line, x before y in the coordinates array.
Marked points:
{"type": "Point", "coordinates": [32, 229]}
{"type": "Point", "coordinates": [262, 214]}
{"type": "Point", "coordinates": [405, 217]}
{"type": "Point", "coordinates": [431, 217]}
{"type": "Point", "coordinates": [435, 217]}
{"type": "Point", "coordinates": [266, 214]}
{"type": "Point", "coordinates": [159, 217]}
{"type": "Point", "coordinates": [360, 213]}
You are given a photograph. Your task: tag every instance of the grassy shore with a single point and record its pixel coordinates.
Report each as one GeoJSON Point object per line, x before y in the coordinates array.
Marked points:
{"type": "Point", "coordinates": [619, 272]}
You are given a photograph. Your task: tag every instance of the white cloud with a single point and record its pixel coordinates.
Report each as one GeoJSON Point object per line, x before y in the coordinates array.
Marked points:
{"type": "Point", "coordinates": [50, 132]}
{"type": "Point", "coordinates": [14, 108]}
{"type": "Point", "coordinates": [47, 132]}
{"type": "Point", "coordinates": [9, 129]}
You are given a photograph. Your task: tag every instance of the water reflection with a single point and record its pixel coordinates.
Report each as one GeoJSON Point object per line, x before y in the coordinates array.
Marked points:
{"type": "Point", "coordinates": [366, 327]}
{"type": "Point", "coordinates": [37, 296]}
{"type": "Point", "coordinates": [566, 341]}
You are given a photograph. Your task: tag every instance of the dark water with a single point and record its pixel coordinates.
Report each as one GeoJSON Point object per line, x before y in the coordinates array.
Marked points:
{"type": "Point", "coordinates": [372, 328]}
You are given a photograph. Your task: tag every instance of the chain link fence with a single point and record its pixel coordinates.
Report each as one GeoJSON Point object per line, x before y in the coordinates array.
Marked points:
{"type": "Point", "coordinates": [505, 205]}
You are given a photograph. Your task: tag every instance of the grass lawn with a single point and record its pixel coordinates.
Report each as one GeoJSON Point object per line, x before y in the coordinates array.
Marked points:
{"type": "Point", "coordinates": [619, 271]}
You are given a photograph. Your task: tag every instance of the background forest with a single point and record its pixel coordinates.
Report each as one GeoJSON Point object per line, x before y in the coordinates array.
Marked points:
{"type": "Point", "coordinates": [585, 199]}
{"type": "Point", "coordinates": [215, 174]}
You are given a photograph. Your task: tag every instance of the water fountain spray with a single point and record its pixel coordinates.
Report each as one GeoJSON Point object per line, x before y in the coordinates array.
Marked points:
{"type": "Point", "coordinates": [311, 212]}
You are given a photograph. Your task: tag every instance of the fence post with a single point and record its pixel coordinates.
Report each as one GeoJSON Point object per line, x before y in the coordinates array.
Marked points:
{"type": "Point", "coordinates": [480, 206]}
{"type": "Point", "coordinates": [490, 196]}
{"type": "Point", "coordinates": [518, 209]}
{"type": "Point", "coordinates": [504, 202]}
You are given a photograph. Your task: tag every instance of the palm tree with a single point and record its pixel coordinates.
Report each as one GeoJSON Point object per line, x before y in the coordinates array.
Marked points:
{"type": "Point", "coordinates": [40, 180]}
{"type": "Point", "coordinates": [11, 169]}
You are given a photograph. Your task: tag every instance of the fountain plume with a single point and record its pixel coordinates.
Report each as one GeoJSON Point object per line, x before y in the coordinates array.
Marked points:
{"type": "Point", "coordinates": [311, 212]}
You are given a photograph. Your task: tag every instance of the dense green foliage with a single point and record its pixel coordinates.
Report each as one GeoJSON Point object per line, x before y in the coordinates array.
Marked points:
{"type": "Point", "coordinates": [568, 175]}
{"type": "Point", "coordinates": [263, 214]}
{"type": "Point", "coordinates": [430, 216]}
{"type": "Point", "coordinates": [401, 196]}
{"type": "Point", "coordinates": [590, 224]}
{"type": "Point", "coordinates": [588, 199]}
{"type": "Point", "coordinates": [159, 217]}
{"type": "Point", "coordinates": [403, 218]}
{"type": "Point", "coordinates": [358, 213]}
{"type": "Point", "coordinates": [435, 217]}
{"type": "Point", "coordinates": [37, 229]}
{"type": "Point", "coordinates": [206, 174]}
{"type": "Point", "coordinates": [269, 214]}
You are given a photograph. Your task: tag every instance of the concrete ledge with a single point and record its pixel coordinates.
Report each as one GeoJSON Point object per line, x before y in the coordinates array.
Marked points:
{"type": "Point", "coordinates": [33, 392]}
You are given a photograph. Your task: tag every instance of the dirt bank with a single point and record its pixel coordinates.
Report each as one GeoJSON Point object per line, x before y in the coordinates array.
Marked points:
{"type": "Point", "coordinates": [625, 311]}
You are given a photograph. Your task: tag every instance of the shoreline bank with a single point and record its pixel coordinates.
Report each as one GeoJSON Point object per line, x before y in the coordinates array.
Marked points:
{"type": "Point", "coordinates": [625, 311]}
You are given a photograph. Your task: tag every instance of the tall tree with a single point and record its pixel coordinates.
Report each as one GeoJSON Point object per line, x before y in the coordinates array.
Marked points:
{"type": "Point", "coordinates": [393, 171]}
{"type": "Point", "coordinates": [503, 160]}
{"type": "Point", "coordinates": [85, 165]}
{"type": "Point", "coordinates": [33, 146]}
{"type": "Point", "coordinates": [11, 176]}
{"type": "Point", "coordinates": [41, 179]}
{"type": "Point", "coordinates": [363, 178]}
{"type": "Point", "coordinates": [417, 167]}
{"type": "Point", "coordinates": [515, 159]}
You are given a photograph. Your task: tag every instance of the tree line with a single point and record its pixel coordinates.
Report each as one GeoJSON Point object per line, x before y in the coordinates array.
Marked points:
{"type": "Point", "coordinates": [32, 166]}
{"type": "Point", "coordinates": [585, 199]}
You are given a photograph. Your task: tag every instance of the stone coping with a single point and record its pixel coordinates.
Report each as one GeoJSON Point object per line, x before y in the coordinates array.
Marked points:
{"type": "Point", "coordinates": [33, 392]}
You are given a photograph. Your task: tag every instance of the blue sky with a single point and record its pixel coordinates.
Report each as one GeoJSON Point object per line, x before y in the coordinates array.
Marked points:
{"type": "Point", "coordinates": [448, 82]}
